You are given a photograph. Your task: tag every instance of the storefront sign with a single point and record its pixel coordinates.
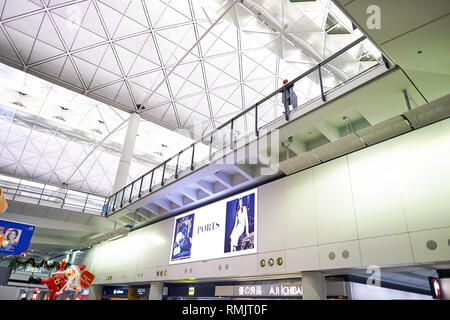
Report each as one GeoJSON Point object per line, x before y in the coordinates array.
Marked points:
{"type": "Point", "coordinates": [141, 292]}
{"type": "Point", "coordinates": [15, 237]}
{"type": "Point", "coordinates": [115, 292]}
{"type": "Point", "coordinates": [221, 229]}
{"type": "Point", "coordinates": [267, 290]}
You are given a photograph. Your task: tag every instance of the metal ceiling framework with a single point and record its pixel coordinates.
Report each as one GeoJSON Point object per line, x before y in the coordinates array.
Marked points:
{"type": "Point", "coordinates": [47, 130]}
{"type": "Point", "coordinates": [118, 52]}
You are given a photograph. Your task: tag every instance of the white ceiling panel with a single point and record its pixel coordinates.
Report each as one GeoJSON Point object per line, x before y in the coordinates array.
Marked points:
{"type": "Point", "coordinates": [122, 53]}
{"type": "Point", "coordinates": [141, 42]}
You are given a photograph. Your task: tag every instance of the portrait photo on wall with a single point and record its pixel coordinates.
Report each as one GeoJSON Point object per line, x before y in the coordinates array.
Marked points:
{"type": "Point", "coordinates": [240, 224]}
{"type": "Point", "coordinates": [9, 238]}
{"type": "Point", "coordinates": [182, 242]}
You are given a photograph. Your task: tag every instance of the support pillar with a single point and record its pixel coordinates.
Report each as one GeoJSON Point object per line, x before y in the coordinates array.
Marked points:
{"type": "Point", "coordinates": [313, 283]}
{"type": "Point", "coordinates": [156, 290]}
{"type": "Point", "coordinates": [127, 152]}
{"type": "Point", "coordinates": [95, 292]}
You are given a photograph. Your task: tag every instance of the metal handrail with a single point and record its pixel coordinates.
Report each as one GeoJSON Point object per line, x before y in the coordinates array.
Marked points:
{"type": "Point", "coordinates": [210, 135]}
{"type": "Point", "coordinates": [25, 192]}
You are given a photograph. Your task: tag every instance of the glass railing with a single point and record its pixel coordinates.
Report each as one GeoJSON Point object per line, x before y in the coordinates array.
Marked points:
{"type": "Point", "coordinates": [51, 196]}
{"type": "Point", "coordinates": [333, 72]}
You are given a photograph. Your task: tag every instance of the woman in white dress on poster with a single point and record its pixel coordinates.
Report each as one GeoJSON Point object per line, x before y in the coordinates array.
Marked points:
{"type": "Point", "coordinates": [240, 225]}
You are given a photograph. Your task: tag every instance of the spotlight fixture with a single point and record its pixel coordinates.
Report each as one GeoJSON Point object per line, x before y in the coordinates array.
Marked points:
{"type": "Point", "coordinates": [97, 131]}
{"type": "Point", "coordinates": [59, 118]}
{"type": "Point", "coordinates": [18, 103]}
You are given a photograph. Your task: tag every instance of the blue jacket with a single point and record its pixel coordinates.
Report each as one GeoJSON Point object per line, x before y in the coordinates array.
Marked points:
{"type": "Point", "coordinates": [289, 97]}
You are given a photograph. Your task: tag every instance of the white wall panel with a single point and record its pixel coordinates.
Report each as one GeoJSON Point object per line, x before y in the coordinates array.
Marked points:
{"type": "Point", "coordinates": [160, 273]}
{"type": "Point", "coordinates": [339, 255]}
{"type": "Point", "coordinates": [225, 267]}
{"type": "Point", "coordinates": [299, 208]}
{"type": "Point", "coordinates": [94, 266]}
{"type": "Point", "coordinates": [123, 276]}
{"type": "Point", "coordinates": [446, 127]}
{"type": "Point", "coordinates": [364, 292]}
{"type": "Point", "coordinates": [376, 195]}
{"type": "Point", "coordinates": [145, 274]}
{"type": "Point", "coordinates": [110, 256]}
{"type": "Point", "coordinates": [128, 253]}
{"type": "Point", "coordinates": [99, 278]}
{"type": "Point", "coordinates": [422, 163]}
{"type": "Point", "coordinates": [154, 244]}
{"type": "Point", "coordinates": [398, 186]}
{"type": "Point", "coordinates": [335, 214]}
{"type": "Point", "coordinates": [187, 270]}
{"type": "Point", "coordinates": [431, 245]}
{"type": "Point", "coordinates": [394, 249]}
{"type": "Point", "coordinates": [176, 271]}
{"type": "Point", "coordinates": [246, 265]}
{"type": "Point", "coordinates": [204, 269]}
{"type": "Point", "coordinates": [275, 269]}
{"type": "Point", "coordinates": [270, 217]}
{"type": "Point", "coordinates": [302, 259]}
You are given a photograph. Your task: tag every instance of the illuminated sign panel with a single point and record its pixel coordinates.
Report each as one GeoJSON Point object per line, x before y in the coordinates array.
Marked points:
{"type": "Point", "coordinates": [435, 288]}
{"type": "Point", "coordinates": [221, 229]}
{"type": "Point", "coordinates": [15, 237]}
{"type": "Point", "coordinates": [285, 290]}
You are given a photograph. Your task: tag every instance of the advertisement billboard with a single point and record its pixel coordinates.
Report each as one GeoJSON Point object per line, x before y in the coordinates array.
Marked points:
{"type": "Point", "coordinates": [220, 229]}
{"type": "Point", "coordinates": [15, 237]}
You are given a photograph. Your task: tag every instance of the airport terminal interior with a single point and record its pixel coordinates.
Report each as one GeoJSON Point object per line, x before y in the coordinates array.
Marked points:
{"type": "Point", "coordinates": [224, 150]}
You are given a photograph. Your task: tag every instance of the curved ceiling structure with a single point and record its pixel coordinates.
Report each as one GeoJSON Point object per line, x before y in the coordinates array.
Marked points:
{"type": "Point", "coordinates": [89, 63]}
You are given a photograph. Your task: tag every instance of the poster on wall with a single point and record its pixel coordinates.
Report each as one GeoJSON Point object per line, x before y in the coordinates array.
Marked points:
{"type": "Point", "coordinates": [221, 229]}
{"type": "Point", "coordinates": [15, 237]}
{"type": "Point", "coordinates": [183, 238]}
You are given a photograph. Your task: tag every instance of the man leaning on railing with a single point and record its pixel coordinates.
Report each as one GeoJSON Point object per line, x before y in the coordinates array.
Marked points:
{"type": "Point", "coordinates": [289, 98]}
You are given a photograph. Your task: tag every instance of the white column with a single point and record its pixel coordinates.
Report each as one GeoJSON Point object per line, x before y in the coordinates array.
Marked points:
{"type": "Point", "coordinates": [313, 283]}
{"type": "Point", "coordinates": [156, 290]}
{"type": "Point", "coordinates": [127, 152]}
{"type": "Point", "coordinates": [95, 292]}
